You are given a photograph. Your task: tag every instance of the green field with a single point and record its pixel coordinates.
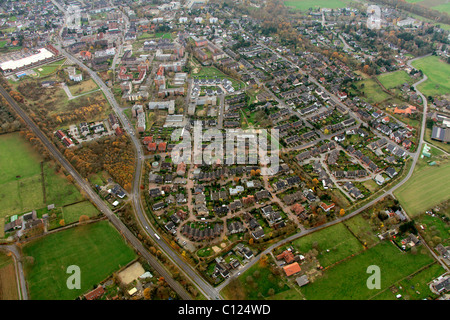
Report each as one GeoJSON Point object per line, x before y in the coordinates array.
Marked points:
{"type": "Point", "coordinates": [414, 287]}
{"type": "Point", "coordinates": [304, 5]}
{"type": "Point", "coordinates": [8, 284]}
{"type": "Point", "coordinates": [427, 187]}
{"type": "Point", "coordinates": [348, 280]}
{"type": "Point", "coordinates": [361, 228]}
{"type": "Point", "coordinates": [438, 73]}
{"type": "Point", "coordinates": [442, 7]}
{"type": "Point", "coordinates": [370, 91]}
{"type": "Point", "coordinates": [21, 180]}
{"type": "Point", "coordinates": [214, 72]}
{"type": "Point", "coordinates": [97, 249]}
{"type": "Point", "coordinates": [73, 212]}
{"type": "Point", "coordinates": [257, 287]}
{"type": "Point", "coordinates": [394, 79]}
{"type": "Point", "coordinates": [337, 239]}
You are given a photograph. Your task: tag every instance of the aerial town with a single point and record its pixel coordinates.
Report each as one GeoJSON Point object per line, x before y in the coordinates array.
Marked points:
{"type": "Point", "coordinates": [314, 138]}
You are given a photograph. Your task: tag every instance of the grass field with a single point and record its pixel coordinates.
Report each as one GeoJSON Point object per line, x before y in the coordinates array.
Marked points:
{"type": "Point", "coordinates": [414, 287]}
{"type": "Point", "coordinates": [73, 212]}
{"type": "Point", "coordinates": [21, 180]}
{"type": "Point", "coordinates": [427, 187]}
{"type": "Point", "coordinates": [83, 87]}
{"type": "Point", "coordinates": [304, 5]}
{"type": "Point", "coordinates": [337, 239]}
{"type": "Point", "coordinates": [258, 287]}
{"type": "Point", "coordinates": [394, 79]}
{"type": "Point", "coordinates": [370, 91]}
{"type": "Point", "coordinates": [8, 284]}
{"type": "Point", "coordinates": [361, 228]}
{"type": "Point", "coordinates": [348, 279]}
{"type": "Point", "coordinates": [98, 249]}
{"type": "Point", "coordinates": [438, 73]}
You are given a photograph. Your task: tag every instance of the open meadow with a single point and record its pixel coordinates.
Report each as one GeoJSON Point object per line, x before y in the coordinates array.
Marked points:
{"type": "Point", "coordinates": [427, 187]}
{"type": "Point", "coordinates": [347, 280]}
{"type": "Point", "coordinates": [98, 249]}
{"type": "Point", "coordinates": [21, 174]}
{"type": "Point", "coordinates": [438, 73]}
{"type": "Point", "coordinates": [8, 283]}
{"type": "Point", "coordinates": [304, 5]}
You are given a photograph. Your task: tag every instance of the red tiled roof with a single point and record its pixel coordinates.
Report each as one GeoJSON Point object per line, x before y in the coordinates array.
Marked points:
{"type": "Point", "coordinates": [292, 268]}
{"type": "Point", "coordinates": [95, 294]}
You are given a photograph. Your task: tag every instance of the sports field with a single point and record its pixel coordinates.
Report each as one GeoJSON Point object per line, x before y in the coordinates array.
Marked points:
{"type": "Point", "coordinates": [21, 187]}
{"type": "Point", "coordinates": [97, 249]}
{"type": "Point", "coordinates": [348, 280]}
{"type": "Point", "coordinates": [438, 73]}
{"type": "Point", "coordinates": [426, 188]}
{"type": "Point", "coordinates": [50, 68]}
{"type": "Point", "coordinates": [394, 79]}
{"type": "Point", "coordinates": [304, 5]}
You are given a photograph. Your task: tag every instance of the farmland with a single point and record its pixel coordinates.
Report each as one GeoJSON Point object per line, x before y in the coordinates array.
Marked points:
{"type": "Point", "coordinates": [370, 91]}
{"type": "Point", "coordinates": [98, 249]}
{"type": "Point", "coordinates": [347, 280]}
{"type": "Point", "coordinates": [21, 179]}
{"type": "Point", "coordinates": [438, 73]}
{"type": "Point", "coordinates": [394, 79]}
{"type": "Point", "coordinates": [426, 188]}
{"type": "Point", "coordinates": [339, 242]}
{"type": "Point", "coordinates": [8, 284]}
{"type": "Point", "coordinates": [304, 5]}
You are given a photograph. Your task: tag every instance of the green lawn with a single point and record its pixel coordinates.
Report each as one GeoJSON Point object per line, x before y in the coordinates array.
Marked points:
{"type": "Point", "coordinates": [425, 189]}
{"type": "Point", "coordinates": [97, 249]}
{"type": "Point", "coordinates": [337, 239]}
{"type": "Point", "coordinates": [304, 5]}
{"type": "Point", "coordinates": [438, 73]}
{"type": "Point", "coordinates": [394, 79]}
{"type": "Point", "coordinates": [73, 212]}
{"type": "Point", "coordinates": [348, 280]}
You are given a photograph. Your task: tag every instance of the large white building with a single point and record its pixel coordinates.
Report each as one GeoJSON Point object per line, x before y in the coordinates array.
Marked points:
{"type": "Point", "coordinates": [12, 65]}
